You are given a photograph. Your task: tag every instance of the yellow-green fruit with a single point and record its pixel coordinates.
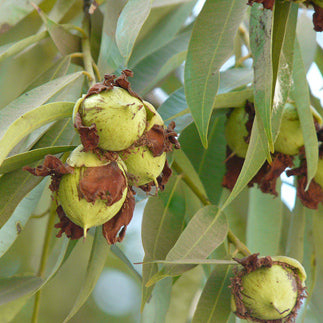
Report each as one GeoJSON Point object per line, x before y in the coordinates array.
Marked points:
{"type": "Point", "coordinates": [269, 293]}
{"type": "Point", "coordinates": [153, 116]}
{"type": "Point", "coordinates": [120, 118]}
{"type": "Point", "coordinates": [290, 138]}
{"type": "Point", "coordinates": [142, 166]}
{"type": "Point", "coordinates": [236, 132]}
{"type": "Point", "coordinates": [318, 3]}
{"type": "Point", "coordinates": [83, 194]}
{"type": "Point", "coordinates": [319, 173]}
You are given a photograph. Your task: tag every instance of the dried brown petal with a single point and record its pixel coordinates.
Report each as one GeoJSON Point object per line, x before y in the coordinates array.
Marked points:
{"type": "Point", "coordinates": [72, 230]}
{"type": "Point", "coordinates": [103, 182]}
{"type": "Point", "coordinates": [268, 4]}
{"type": "Point", "coordinates": [155, 140]}
{"type": "Point", "coordinates": [52, 166]}
{"type": "Point", "coordinates": [318, 18]}
{"type": "Point", "coordinates": [233, 168]}
{"type": "Point", "coordinates": [111, 228]}
{"type": "Point", "coordinates": [89, 135]}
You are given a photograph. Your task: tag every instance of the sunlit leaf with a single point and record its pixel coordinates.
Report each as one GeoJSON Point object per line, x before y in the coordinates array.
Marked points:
{"type": "Point", "coordinates": [136, 12]}
{"type": "Point", "coordinates": [210, 46]}
{"type": "Point", "coordinates": [31, 121]}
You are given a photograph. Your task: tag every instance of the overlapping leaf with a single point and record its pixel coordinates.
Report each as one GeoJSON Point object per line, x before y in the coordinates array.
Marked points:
{"type": "Point", "coordinates": [210, 46]}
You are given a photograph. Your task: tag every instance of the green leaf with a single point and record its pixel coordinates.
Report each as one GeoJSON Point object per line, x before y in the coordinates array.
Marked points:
{"type": "Point", "coordinates": [208, 163]}
{"type": "Point", "coordinates": [30, 121]}
{"type": "Point", "coordinates": [162, 33]}
{"type": "Point", "coordinates": [14, 187]}
{"type": "Point", "coordinates": [214, 303]}
{"type": "Point", "coordinates": [19, 46]}
{"type": "Point", "coordinates": [9, 310]}
{"type": "Point", "coordinates": [203, 234]}
{"type": "Point", "coordinates": [15, 287]}
{"type": "Point", "coordinates": [260, 43]}
{"type": "Point", "coordinates": [18, 161]}
{"type": "Point", "coordinates": [60, 8]}
{"type": "Point", "coordinates": [131, 19]}
{"type": "Point", "coordinates": [11, 12]}
{"type": "Point", "coordinates": [120, 254]}
{"type": "Point", "coordinates": [234, 78]}
{"type": "Point", "coordinates": [300, 94]}
{"type": "Point", "coordinates": [145, 71]}
{"type": "Point", "coordinates": [65, 42]}
{"type": "Point", "coordinates": [210, 46]}
{"type": "Point", "coordinates": [295, 241]}
{"type": "Point", "coordinates": [161, 3]}
{"type": "Point", "coordinates": [193, 262]}
{"type": "Point", "coordinates": [109, 57]}
{"type": "Point", "coordinates": [162, 224]}
{"type": "Point", "coordinates": [183, 294]}
{"type": "Point", "coordinates": [264, 222]}
{"type": "Point", "coordinates": [95, 266]}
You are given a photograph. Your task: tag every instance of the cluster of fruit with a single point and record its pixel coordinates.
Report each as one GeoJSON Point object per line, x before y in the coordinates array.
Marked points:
{"type": "Point", "coordinates": [124, 144]}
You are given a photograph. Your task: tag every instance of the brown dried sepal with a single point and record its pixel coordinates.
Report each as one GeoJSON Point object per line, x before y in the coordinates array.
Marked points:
{"type": "Point", "coordinates": [250, 264]}
{"type": "Point", "coordinates": [115, 229]}
{"type": "Point", "coordinates": [72, 230]}
{"type": "Point", "coordinates": [160, 140]}
{"type": "Point", "coordinates": [314, 194]}
{"type": "Point", "coordinates": [268, 4]}
{"type": "Point", "coordinates": [102, 182]}
{"type": "Point", "coordinates": [318, 18]}
{"type": "Point", "coordinates": [162, 179]}
{"type": "Point", "coordinates": [52, 166]}
{"type": "Point", "coordinates": [266, 177]}
{"type": "Point", "coordinates": [89, 135]}
{"type": "Point", "coordinates": [111, 80]}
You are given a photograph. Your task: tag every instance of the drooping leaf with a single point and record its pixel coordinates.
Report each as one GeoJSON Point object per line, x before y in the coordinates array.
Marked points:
{"type": "Point", "coordinates": [162, 224]}
{"type": "Point", "coordinates": [161, 33]}
{"type": "Point", "coordinates": [11, 12]}
{"type": "Point", "coordinates": [260, 43]}
{"type": "Point", "coordinates": [161, 3]}
{"type": "Point", "coordinates": [300, 94]}
{"type": "Point", "coordinates": [264, 223]}
{"type": "Point", "coordinates": [208, 163]}
{"type": "Point", "coordinates": [60, 8]}
{"type": "Point", "coordinates": [18, 161]}
{"type": "Point", "coordinates": [31, 121]}
{"type": "Point", "coordinates": [65, 41]}
{"type": "Point", "coordinates": [136, 12]}
{"type": "Point", "coordinates": [203, 234]}
{"type": "Point", "coordinates": [214, 303]}
{"type": "Point", "coordinates": [210, 46]}
{"type": "Point", "coordinates": [94, 268]}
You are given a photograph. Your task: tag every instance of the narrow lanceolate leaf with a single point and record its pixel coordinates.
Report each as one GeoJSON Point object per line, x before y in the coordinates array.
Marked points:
{"type": "Point", "coordinates": [11, 12]}
{"type": "Point", "coordinates": [210, 46]}
{"type": "Point", "coordinates": [18, 161]}
{"type": "Point", "coordinates": [300, 93]}
{"type": "Point", "coordinates": [95, 266]}
{"type": "Point", "coordinates": [165, 30]}
{"type": "Point", "coordinates": [203, 234]}
{"type": "Point", "coordinates": [21, 45]}
{"type": "Point", "coordinates": [214, 303]}
{"type": "Point", "coordinates": [162, 224]}
{"type": "Point", "coordinates": [131, 19]}
{"type": "Point", "coordinates": [264, 222]}
{"type": "Point", "coordinates": [260, 42]}
{"type": "Point", "coordinates": [31, 121]}
{"type": "Point", "coordinates": [65, 42]}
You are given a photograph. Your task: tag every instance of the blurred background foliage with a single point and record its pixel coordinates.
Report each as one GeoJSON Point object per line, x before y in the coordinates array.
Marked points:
{"type": "Point", "coordinates": [192, 64]}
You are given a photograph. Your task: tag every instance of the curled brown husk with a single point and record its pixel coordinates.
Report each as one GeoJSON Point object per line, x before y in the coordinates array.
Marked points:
{"type": "Point", "coordinates": [268, 4]}
{"type": "Point", "coordinates": [250, 264]}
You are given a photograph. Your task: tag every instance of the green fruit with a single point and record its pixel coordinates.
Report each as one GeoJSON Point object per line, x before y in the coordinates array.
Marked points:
{"type": "Point", "coordinates": [269, 291]}
{"type": "Point", "coordinates": [236, 132]}
{"type": "Point", "coordinates": [94, 192]}
{"type": "Point", "coordinates": [142, 166]}
{"type": "Point", "coordinates": [120, 118]}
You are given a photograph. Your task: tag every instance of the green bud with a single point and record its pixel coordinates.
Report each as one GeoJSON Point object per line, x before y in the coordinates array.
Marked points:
{"type": "Point", "coordinates": [120, 118]}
